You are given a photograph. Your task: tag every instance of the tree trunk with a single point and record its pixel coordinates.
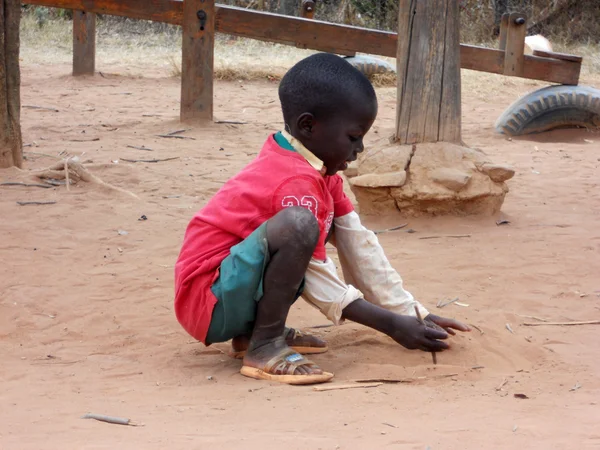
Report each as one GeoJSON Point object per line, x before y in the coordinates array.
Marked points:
{"type": "Point", "coordinates": [428, 68]}
{"type": "Point", "coordinates": [11, 152]}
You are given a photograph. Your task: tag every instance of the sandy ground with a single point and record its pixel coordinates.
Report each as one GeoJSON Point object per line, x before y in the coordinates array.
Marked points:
{"type": "Point", "coordinates": [86, 318]}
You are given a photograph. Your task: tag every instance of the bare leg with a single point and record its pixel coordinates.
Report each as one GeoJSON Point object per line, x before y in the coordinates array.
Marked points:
{"type": "Point", "coordinates": [292, 236]}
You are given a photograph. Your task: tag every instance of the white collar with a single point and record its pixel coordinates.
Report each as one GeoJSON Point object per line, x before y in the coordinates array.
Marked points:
{"type": "Point", "coordinates": [315, 162]}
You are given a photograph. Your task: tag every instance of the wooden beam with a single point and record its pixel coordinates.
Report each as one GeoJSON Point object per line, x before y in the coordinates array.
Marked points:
{"type": "Point", "coordinates": [315, 34]}
{"type": "Point", "coordinates": [84, 43]}
{"type": "Point", "coordinates": [503, 31]}
{"type": "Point", "coordinates": [555, 55]}
{"type": "Point", "coordinates": [197, 60]}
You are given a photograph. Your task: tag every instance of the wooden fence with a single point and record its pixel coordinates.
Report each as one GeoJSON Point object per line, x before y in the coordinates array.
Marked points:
{"type": "Point", "coordinates": [200, 19]}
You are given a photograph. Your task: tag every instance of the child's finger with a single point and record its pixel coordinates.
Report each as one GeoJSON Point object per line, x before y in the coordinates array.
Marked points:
{"type": "Point", "coordinates": [433, 346]}
{"type": "Point", "coordinates": [450, 331]}
{"type": "Point", "coordinates": [432, 333]}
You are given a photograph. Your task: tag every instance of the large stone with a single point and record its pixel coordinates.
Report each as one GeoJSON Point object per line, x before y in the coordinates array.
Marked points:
{"type": "Point", "coordinates": [450, 178]}
{"type": "Point", "coordinates": [498, 172]}
{"type": "Point", "coordinates": [374, 180]}
{"type": "Point", "coordinates": [441, 178]}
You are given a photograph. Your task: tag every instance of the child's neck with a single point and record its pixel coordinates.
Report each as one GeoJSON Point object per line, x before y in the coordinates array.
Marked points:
{"type": "Point", "coordinates": [306, 153]}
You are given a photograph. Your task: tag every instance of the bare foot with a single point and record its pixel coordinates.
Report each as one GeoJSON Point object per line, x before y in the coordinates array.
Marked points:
{"type": "Point", "coordinates": [275, 357]}
{"type": "Point", "coordinates": [303, 343]}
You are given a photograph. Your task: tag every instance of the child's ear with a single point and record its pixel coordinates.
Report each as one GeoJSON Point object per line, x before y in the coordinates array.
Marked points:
{"type": "Point", "coordinates": [306, 123]}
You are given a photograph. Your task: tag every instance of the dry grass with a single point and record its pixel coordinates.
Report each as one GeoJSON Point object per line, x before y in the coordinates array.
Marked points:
{"type": "Point", "coordinates": [143, 47]}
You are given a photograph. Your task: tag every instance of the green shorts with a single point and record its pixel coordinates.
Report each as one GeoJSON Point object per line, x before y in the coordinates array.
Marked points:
{"type": "Point", "coordinates": [239, 288]}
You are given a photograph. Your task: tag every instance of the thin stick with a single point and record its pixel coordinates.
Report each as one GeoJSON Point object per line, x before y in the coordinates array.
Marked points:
{"type": "Point", "coordinates": [586, 322]}
{"type": "Point", "coordinates": [442, 304]}
{"type": "Point", "coordinates": [232, 122]}
{"type": "Point", "coordinates": [335, 387]}
{"type": "Point", "coordinates": [387, 380]}
{"type": "Point", "coordinates": [502, 384]}
{"type": "Point", "coordinates": [327, 325]}
{"type": "Point", "coordinates": [456, 236]}
{"type": "Point", "coordinates": [433, 356]}
{"type": "Point", "coordinates": [109, 419]}
{"type": "Point", "coordinates": [173, 133]}
{"type": "Point", "coordinates": [399, 227]}
{"type": "Point", "coordinates": [147, 149]}
{"type": "Point", "coordinates": [148, 160]}
{"type": "Point", "coordinates": [35, 203]}
{"type": "Point", "coordinates": [477, 328]}
{"type": "Point", "coordinates": [14, 183]}
{"type": "Point", "coordinates": [67, 180]}
{"type": "Point", "coordinates": [533, 317]}
{"type": "Point", "coordinates": [84, 140]}
{"type": "Point", "coordinates": [175, 136]}
{"type": "Point", "coordinates": [43, 108]}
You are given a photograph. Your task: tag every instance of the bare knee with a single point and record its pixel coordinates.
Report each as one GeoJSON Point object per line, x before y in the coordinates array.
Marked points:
{"type": "Point", "coordinates": [294, 226]}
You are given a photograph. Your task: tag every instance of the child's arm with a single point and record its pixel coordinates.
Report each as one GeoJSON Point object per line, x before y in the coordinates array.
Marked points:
{"type": "Point", "coordinates": [365, 266]}
{"type": "Point", "coordinates": [338, 301]}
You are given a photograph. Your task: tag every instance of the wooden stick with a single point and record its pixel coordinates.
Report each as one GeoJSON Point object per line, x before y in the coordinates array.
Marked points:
{"type": "Point", "coordinates": [455, 236]}
{"type": "Point", "coordinates": [231, 122]}
{"type": "Point", "coordinates": [173, 133]}
{"type": "Point", "coordinates": [14, 183]}
{"type": "Point", "coordinates": [585, 322]}
{"type": "Point", "coordinates": [442, 304]}
{"type": "Point", "coordinates": [67, 180]}
{"type": "Point", "coordinates": [35, 203]}
{"type": "Point", "coordinates": [533, 317]}
{"type": "Point", "coordinates": [148, 160]}
{"type": "Point", "coordinates": [335, 387]}
{"type": "Point", "coordinates": [42, 108]}
{"type": "Point", "coordinates": [433, 355]}
{"type": "Point", "coordinates": [109, 419]}
{"type": "Point", "coordinates": [175, 136]}
{"type": "Point", "coordinates": [477, 328]}
{"type": "Point", "coordinates": [399, 227]}
{"type": "Point", "coordinates": [147, 149]}
{"type": "Point", "coordinates": [387, 380]}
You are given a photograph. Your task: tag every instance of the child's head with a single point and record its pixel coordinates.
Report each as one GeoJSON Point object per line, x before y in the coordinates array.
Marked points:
{"type": "Point", "coordinates": [329, 106]}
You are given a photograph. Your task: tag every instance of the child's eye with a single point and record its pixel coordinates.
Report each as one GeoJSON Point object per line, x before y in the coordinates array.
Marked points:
{"type": "Point", "coordinates": [353, 138]}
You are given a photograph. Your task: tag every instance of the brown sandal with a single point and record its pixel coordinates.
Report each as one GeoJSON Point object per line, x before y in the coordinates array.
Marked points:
{"type": "Point", "coordinates": [281, 368]}
{"type": "Point", "coordinates": [304, 343]}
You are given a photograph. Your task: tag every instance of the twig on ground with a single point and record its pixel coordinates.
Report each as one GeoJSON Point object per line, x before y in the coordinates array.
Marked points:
{"type": "Point", "coordinates": [399, 227]}
{"type": "Point", "coordinates": [41, 108]}
{"type": "Point", "coordinates": [84, 140]}
{"type": "Point", "coordinates": [509, 328]}
{"type": "Point", "coordinates": [148, 160]}
{"type": "Point", "coordinates": [42, 154]}
{"type": "Point", "coordinates": [110, 419]}
{"type": "Point", "coordinates": [585, 322]}
{"type": "Point", "coordinates": [231, 122]}
{"type": "Point", "coordinates": [455, 236]}
{"type": "Point", "coordinates": [477, 328]}
{"type": "Point", "coordinates": [327, 325]}
{"type": "Point", "coordinates": [175, 136]}
{"type": "Point", "coordinates": [387, 380]}
{"type": "Point", "coordinates": [441, 304]}
{"type": "Point", "coordinates": [15, 183]}
{"type": "Point", "coordinates": [433, 356]}
{"type": "Point", "coordinates": [67, 180]}
{"type": "Point", "coordinates": [335, 387]}
{"type": "Point", "coordinates": [502, 384]}
{"type": "Point", "coordinates": [147, 149]}
{"type": "Point", "coordinates": [533, 317]}
{"type": "Point", "coordinates": [35, 203]}
{"type": "Point", "coordinates": [173, 133]}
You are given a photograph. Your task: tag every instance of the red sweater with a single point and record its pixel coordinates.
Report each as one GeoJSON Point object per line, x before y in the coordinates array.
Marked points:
{"type": "Point", "coordinates": [276, 179]}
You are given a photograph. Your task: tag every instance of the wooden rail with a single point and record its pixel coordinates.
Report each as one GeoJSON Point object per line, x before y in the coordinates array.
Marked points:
{"type": "Point", "coordinates": [312, 34]}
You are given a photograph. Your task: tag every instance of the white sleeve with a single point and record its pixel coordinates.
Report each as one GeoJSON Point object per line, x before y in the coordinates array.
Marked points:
{"type": "Point", "coordinates": [365, 266]}
{"type": "Point", "coordinates": [324, 290]}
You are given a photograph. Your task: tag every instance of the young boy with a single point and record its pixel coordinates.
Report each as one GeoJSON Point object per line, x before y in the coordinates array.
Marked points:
{"type": "Point", "coordinates": [259, 243]}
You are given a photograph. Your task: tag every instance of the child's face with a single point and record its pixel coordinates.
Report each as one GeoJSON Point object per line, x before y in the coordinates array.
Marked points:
{"type": "Point", "coordinates": [337, 140]}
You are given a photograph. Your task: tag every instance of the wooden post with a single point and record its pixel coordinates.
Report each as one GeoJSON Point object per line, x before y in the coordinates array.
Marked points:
{"type": "Point", "coordinates": [11, 149]}
{"type": "Point", "coordinates": [503, 31]}
{"type": "Point", "coordinates": [307, 9]}
{"type": "Point", "coordinates": [197, 60]}
{"type": "Point", "coordinates": [84, 43]}
{"type": "Point", "coordinates": [428, 68]}
{"type": "Point", "coordinates": [514, 58]}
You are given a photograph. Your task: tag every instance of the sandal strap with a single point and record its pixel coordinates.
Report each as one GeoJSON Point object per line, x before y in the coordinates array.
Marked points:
{"type": "Point", "coordinates": [286, 363]}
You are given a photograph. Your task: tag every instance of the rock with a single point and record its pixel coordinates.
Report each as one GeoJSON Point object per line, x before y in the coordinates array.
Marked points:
{"type": "Point", "coordinates": [374, 180]}
{"type": "Point", "coordinates": [453, 179]}
{"type": "Point", "coordinates": [437, 178]}
{"type": "Point", "coordinates": [497, 172]}
{"type": "Point", "coordinates": [384, 157]}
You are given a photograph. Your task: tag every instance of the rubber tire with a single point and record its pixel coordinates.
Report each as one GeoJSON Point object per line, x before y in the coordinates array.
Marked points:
{"type": "Point", "coordinates": [550, 108]}
{"type": "Point", "coordinates": [369, 65]}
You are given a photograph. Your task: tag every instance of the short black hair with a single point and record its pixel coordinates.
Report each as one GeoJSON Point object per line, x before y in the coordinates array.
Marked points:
{"type": "Point", "coordinates": [323, 84]}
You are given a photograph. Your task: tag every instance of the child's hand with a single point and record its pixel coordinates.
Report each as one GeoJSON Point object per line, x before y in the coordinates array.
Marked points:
{"type": "Point", "coordinates": [412, 334]}
{"type": "Point", "coordinates": [442, 323]}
